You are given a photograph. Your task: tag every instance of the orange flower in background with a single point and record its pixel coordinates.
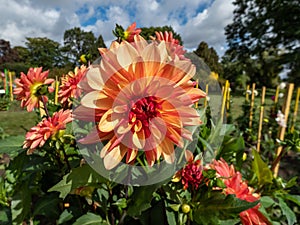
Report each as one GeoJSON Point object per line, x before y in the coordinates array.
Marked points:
{"type": "Point", "coordinates": [235, 185]}
{"type": "Point", "coordinates": [31, 87]}
{"type": "Point", "coordinates": [47, 128]}
{"type": "Point", "coordinates": [146, 98]}
{"type": "Point", "coordinates": [69, 85]}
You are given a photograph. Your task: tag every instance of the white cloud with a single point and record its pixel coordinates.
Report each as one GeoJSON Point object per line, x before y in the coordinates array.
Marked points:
{"type": "Point", "coordinates": [40, 18]}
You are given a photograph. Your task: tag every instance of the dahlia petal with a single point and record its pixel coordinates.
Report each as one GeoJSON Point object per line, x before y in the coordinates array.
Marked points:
{"type": "Point", "coordinates": [114, 157]}
{"type": "Point", "coordinates": [131, 155]}
{"type": "Point", "coordinates": [138, 139]}
{"type": "Point", "coordinates": [127, 54]}
{"type": "Point", "coordinates": [167, 150]}
{"type": "Point", "coordinates": [105, 124]}
{"type": "Point", "coordinates": [151, 157]}
{"type": "Point", "coordinates": [97, 100]}
{"type": "Point", "coordinates": [94, 78]}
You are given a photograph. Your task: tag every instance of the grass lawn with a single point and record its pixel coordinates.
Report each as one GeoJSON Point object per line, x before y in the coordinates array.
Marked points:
{"type": "Point", "coordinates": [16, 121]}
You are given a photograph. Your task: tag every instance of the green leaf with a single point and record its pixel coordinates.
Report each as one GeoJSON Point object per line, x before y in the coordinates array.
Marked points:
{"type": "Point", "coordinates": [171, 217]}
{"type": "Point", "coordinates": [78, 177]}
{"type": "Point", "coordinates": [261, 169]}
{"type": "Point", "coordinates": [141, 199]}
{"type": "Point", "coordinates": [64, 187]}
{"type": "Point", "coordinates": [211, 210]}
{"type": "Point", "coordinates": [293, 198]}
{"type": "Point", "coordinates": [65, 217]}
{"type": "Point", "coordinates": [290, 215]}
{"type": "Point", "coordinates": [5, 216]}
{"type": "Point", "coordinates": [267, 201]}
{"type": "Point", "coordinates": [90, 219]}
{"type": "Point", "coordinates": [47, 206]}
{"type": "Point", "coordinates": [12, 145]}
{"type": "Point", "coordinates": [20, 204]}
{"type": "Point", "coordinates": [230, 222]}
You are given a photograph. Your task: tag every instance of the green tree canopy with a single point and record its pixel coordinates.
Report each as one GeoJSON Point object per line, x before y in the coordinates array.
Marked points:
{"type": "Point", "coordinates": [267, 32]}
{"type": "Point", "coordinates": [78, 42]}
{"type": "Point", "coordinates": [210, 57]}
{"type": "Point", "coordinates": [44, 52]}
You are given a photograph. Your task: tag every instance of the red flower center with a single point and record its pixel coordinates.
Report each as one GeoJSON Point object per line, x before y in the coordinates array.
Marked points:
{"type": "Point", "coordinates": [143, 110]}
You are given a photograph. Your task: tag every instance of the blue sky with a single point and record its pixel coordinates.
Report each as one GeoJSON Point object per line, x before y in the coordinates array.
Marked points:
{"type": "Point", "coordinates": [195, 21]}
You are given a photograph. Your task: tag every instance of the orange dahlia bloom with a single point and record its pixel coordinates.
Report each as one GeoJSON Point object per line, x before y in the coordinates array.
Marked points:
{"type": "Point", "coordinates": [235, 185]}
{"type": "Point", "coordinates": [30, 88]}
{"type": "Point", "coordinates": [69, 85]}
{"type": "Point", "coordinates": [146, 97]}
{"type": "Point", "coordinates": [47, 128]}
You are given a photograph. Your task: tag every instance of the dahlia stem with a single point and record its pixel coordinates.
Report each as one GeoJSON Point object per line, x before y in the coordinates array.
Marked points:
{"type": "Point", "coordinates": [66, 159]}
{"type": "Point", "coordinates": [45, 107]}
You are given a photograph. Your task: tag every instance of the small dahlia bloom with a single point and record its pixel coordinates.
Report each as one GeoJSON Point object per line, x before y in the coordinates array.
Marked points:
{"type": "Point", "coordinates": [131, 31]}
{"type": "Point", "coordinates": [29, 87]}
{"type": "Point", "coordinates": [172, 44]}
{"type": "Point", "coordinates": [69, 85]}
{"type": "Point", "coordinates": [47, 128]}
{"type": "Point", "coordinates": [146, 100]}
{"type": "Point", "coordinates": [235, 185]}
{"type": "Point", "coordinates": [191, 175]}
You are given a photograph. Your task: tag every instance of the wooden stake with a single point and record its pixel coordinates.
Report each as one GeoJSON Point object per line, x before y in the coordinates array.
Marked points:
{"type": "Point", "coordinates": [10, 86]}
{"type": "Point", "coordinates": [56, 90]}
{"type": "Point", "coordinates": [276, 94]}
{"type": "Point", "coordinates": [261, 118]}
{"type": "Point", "coordinates": [251, 105]}
{"type": "Point", "coordinates": [285, 111]}
{"type": "Point", "coordinates": [247, 95]}
{"type": "Point", "coordinates": [224, 89]}
{"type": "Point", "coordinates": [228, 97]}
{"type": "Point", "coordinates": [206, 91]}
{"type": "Point", "coordinates": [295, 110]}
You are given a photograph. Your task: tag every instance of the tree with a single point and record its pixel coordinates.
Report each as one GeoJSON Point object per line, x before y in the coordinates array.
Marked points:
{"type": "Point", "coordinates": [210, 57]}
{"type": "Point", "coordinates": [78, 42]}
{"type": "Point", "coordinates": [7, 54]}
{"type": "Point", "coordinates": [147, 32]}
{"type": "Point", "coordinates": [44, 52]}
{"type": "Point", "coordinates": [269, 26]}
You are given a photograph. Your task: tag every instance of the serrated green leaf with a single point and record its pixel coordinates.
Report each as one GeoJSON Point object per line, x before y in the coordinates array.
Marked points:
{"type": "Point", "coordinates": [90, 219]}
{"type": "Point", "coordinates": [141, 199]}
{"type": "Point", "coordinates": [78, 177]}
{"type": "Point", "coordinates": [293, 198]}
{"type": "Point", "coordinates": [210, 210]}
{"type": "Point", "coordinates": [63, 186]}
{"type": "Point", "coordinates": [267, 201]}
{"type": "Point", "coordinates": [261, 169]}
{"type": "Point", "coordinates": [20, 204]}
{"type": "Point", "coordinates": [290, 215]}
{"type": "Point", "coordinates": [65, 217]}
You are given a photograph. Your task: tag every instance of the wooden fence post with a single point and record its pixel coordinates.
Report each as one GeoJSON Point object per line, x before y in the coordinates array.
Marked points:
{"type": "Point", "coordinates": [247, 95]}
{"type": "Point", "coordinates": [261, 117]}
{"type": "Point", "coordinates": [281, 133]}
{"type": "Point", "coordinates": [295, 110]}
{"type": "Point", "coordinates": [251, 105]}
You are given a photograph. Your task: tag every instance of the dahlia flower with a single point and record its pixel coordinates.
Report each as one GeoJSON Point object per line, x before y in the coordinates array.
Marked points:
{"type": "Point", "coordinates": [32, 87]}
{"type": "Point", "coordinates": [47, 128]}
{"type": "Point", "coordinates": [191, 175]}
{"type": "Point", "coordinates": [146, 98]}
{"type": "Point", "coordinates": [131, 31]}
{"type": "Point", "coordinates": [172, 44]}
{"type": "Point", "coordinates": [235, 185]}
{"type": "Point", "coordinates": [69, 85]}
